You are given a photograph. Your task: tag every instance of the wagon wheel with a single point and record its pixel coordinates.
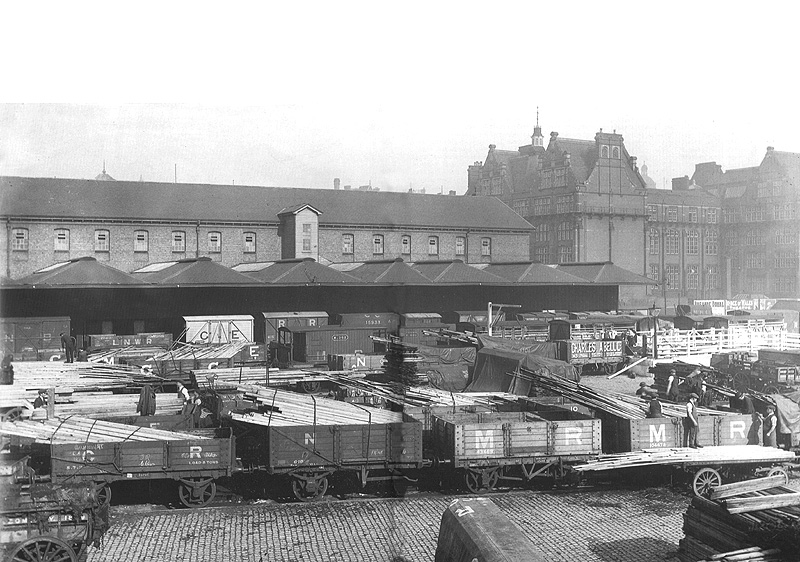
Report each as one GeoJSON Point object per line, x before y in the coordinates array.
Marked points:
{"type": "Point", "coordinates": [779, 471]}
{"type": "Point", "coordinates": [103, 492]}
{"type": "Point", "coordinates": [13, 414]}
{"type": "Point", "coordinates": [197, 495]}
{"type": "Point", "coordinates": [772, 389]}
{"type": "Point", "coordinates": [310, 386]}
{"type": "Point", "coordinates": [704, 480]}
{"type": "Point", "coordinates": [308, 489]}
{"type": "Point", "coordinates": [477, 479]}
{"type": "Point", "coordinates": [741, 381]}
{"type": "Point", "coordinates": [43, 549]}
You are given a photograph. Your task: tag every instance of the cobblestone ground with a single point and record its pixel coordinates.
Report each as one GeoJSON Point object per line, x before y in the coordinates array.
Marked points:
{"type": "Point", "coordinates": [630, 525]}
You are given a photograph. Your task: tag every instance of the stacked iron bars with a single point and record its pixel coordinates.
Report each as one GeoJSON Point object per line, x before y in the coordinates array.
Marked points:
{"type": "Point", "coordinates": [760, 512]}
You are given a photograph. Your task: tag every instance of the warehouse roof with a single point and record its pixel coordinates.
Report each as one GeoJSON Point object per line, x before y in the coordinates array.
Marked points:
{"type": "Point", "coordinates": [530, 272]}
{"type": "Point", "coordinates": [455, 272]}
{"type": "Point", "coordinates": [106, 200]}
{"type": "Point", "coordinates": [303, 271]}
{"type": "Point", "coordinates": [192, 271]}
{"type": "Point", "coordinates": [395, 272]}
{"type": "Point", "coordinates": [84, 272]}
{"type": "Point", "coordinates": [604, 273]}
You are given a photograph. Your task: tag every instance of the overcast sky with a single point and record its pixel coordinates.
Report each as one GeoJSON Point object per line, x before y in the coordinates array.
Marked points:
{"type": "Point", "coordinates": [406, 96]}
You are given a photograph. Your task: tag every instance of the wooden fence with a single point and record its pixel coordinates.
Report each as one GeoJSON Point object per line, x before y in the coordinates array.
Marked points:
{"type": "Point", "coordinates": [678, 343]}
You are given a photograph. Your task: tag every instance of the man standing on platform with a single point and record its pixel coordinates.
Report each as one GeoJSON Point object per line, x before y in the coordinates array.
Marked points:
{"type": "Point", "coordinates": [771, 428]}
{"type": "Point", "coordinates": [68, 344]}
{"type": "Point", "coordinates": [690, 423]}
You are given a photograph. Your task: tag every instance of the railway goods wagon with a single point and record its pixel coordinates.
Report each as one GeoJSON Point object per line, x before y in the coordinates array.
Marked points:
{"type": "Point", "coordinates": [309, 454]}
{"type": "Point", "coordinates": [315, 345]}
{"type": "Point", "coordinates": [485, 447]}
{"type": "Point", "coordinates": [355, 362]}
{"type": "Point", "coordinates": [621, 435]}
{"type": "Point", "coordinates": [474, 321]}
{"type": "Point", "coordinates": [33, 339]}
{"type": "Point", "coordinates": [194, 463]}
{"type": "Point", "coordinates": [274, 321]}
{"type": "Point", "coordinates": [386, 320]}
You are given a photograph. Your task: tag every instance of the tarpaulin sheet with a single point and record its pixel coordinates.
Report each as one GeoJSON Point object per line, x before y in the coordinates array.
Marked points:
{"type": "Point", "coordinates": [788, 411]}
{"type": "Point", "coordinates": [450, 378]}
{"type": "Point", "coordinates": [493, 366]}
{"type": "Point", "coordinates": [543, 349]}
{"type": "Point", "coordinates": [447, 355]}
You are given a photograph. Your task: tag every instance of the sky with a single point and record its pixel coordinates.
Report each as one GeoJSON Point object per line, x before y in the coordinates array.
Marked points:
{"type": "Point", "coordinates": [402, 96]}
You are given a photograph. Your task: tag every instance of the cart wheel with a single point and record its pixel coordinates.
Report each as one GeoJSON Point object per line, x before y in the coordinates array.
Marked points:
{"type": "Point", "coordinates": [772, 389]}
{"type": "Point", "coordinates": [103, 491]}
{"type": "Point", "coordinates": [741, 381]}
{"type": "Point", "coordinates": [704, 480]}
{"type": "Point", "coordinates": [12, 415]}
{"type": "Point", "coordinates": [309, 489]}
{"type": "Point", "coordinates": [197, 496]}
{"type": "Point", "coordinates": [43, 549]}
{"type": "Point", "coordinates": [779, 471]}
{"type": "Point", "coordinates": [310, 386]}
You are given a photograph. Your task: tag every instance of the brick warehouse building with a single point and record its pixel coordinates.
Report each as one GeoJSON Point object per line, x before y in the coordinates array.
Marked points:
{"type": "Point", "coordinates": [130, 224]}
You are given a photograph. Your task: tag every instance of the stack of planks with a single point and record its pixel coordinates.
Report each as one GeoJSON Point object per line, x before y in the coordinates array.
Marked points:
{"type": "Point", "coordinates": [106, 404]}
{"type": "Point", "coordinates": [140, 355]}
{"type": "Point", "coordinates": [262, 376]}
{"type": "Point", "coordinates": [201, 352]}
{"type": "Point", "coordinates": [74, 429]}
{"type": "Point", "coordinates": [283, 408]}
{"type": "Point", "coordinates": [33, 375]}
{"type": "Point", "coordinates": [707, 456]}
{"type": "Point", "coordinates": [402, 365]}
{"type": "Point", "coordinates": [620, 405]}
{"type": "Point", "coordinates": [759, 513]}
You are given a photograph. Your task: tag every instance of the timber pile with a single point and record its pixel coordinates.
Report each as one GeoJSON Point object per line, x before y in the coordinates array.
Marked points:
{"type": "Point", "coordinates": [756, 518]}
{"type": "Point", "coordinates": [283, 408]}
{"type": "Point", "coordinates": [616, 404]}
{"type": "Point", "coordinates": [106, 404]}
{"type": "Point", "coordinates": [679, 455]}
{"type": "Point", "coordinates": [200, 352]}
{"type": "Point", "coordinates": [262, 376]}
{"type": "Point", "coordinates": [74, 429]}
{"type": "Point", "coordinates": [132, 353]}
{"type": "Point", "coordinates": [401, 365]}
{"type": "Point", "coordinates": [33, 375]}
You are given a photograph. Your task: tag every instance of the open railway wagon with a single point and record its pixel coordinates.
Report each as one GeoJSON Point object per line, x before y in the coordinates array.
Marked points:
{"type": "Point", "coordinates": [774, 372]}
{"type": "Point", "coordinates": [486, 448]}
{"type": "Point", "coordinates": [43, 521]}
{"type": "Point", "coordinates": [82, 450]}
{"type": "Point", "coordinates": [308, 439]}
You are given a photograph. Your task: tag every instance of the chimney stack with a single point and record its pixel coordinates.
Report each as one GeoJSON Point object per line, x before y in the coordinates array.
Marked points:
{"type": "Point", "coordinates": [335, 183]}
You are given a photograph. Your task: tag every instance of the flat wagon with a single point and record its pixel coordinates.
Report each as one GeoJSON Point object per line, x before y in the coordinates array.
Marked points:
{"type": "Point", "coordinates": [485, 447]}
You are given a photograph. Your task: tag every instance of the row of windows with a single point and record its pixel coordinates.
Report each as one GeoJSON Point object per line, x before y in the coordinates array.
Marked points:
{"type": "Point", "coordinates": [141, 241]}
{"type": "Point", "coordinates": [672, 275]}
{"type": "Point", "coordinates": [378, 245]}
{"type": "Point", "coordinates": [780, 260]}
{"type": "Point", "coordinates": [708, 214]}
{"type": "Point", "coordinates": [672, 242]}
{"type": "Point", "coordinates": [565, 254]}
{"type": "Point", "coordinates": [759, 238]}
{"type": "Point", "coordinates": [783, 211]}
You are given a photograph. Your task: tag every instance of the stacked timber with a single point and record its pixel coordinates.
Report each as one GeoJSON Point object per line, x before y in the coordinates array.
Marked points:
{"type": "Point", "coordinates": [402, 365]}
{"type": "Point", "coordinates": [261, 375]}
{"type": "Point", "coordinates": [84, 376]}
{"type": "Point", "coordinates": [140, 355]}
{"type": "Point", "coordinates": [101, 405]}
{"type": "Point", "coordinates": [188, 357]}
{"type": "Point", "coordinates": [707, 456]}
{"type": "Point", "coordinates": [75, 429]}
{"type": "Point", "coordinates": [750, 520]}
{"type": "Point", "coordinates": [284, 408]}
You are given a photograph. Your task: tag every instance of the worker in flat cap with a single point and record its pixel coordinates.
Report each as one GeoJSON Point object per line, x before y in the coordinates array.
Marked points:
{"type": "Point", "coordinates": [654, 408]}
{"type": "Point", "coordinates": [691, 423]}
{"type": "Point", "coordinates": [672, 385]}
{"type": "Point", "coordinates": [41, 400]}
{"type": "Point", "coordinates": [770, 428]}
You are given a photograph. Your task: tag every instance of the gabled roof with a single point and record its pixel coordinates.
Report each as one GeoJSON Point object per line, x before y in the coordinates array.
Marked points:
{"type": "Point", "coordinates": [294, 209]}
{"type": "Point", "coordinates": [303, 271]}
{"type": "Point", "coordinates": [530, 272]}
{"type": "Point", "coordinates": [74, 198]}
{"type": "Point", "coordinates": [193, 271]}
{"type": "Point", "coordinates": [394, 272]}
{"type": "Point", "coordinates": [582, 153]}
{"type": "Point", "coordinates": [604, 273]}
{"type": "Point", "coordinates": [455, 272]}
{"type": "Point", "coordinates": [84, 272]}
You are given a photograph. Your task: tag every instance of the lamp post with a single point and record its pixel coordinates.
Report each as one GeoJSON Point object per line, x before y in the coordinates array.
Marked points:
{"type": "Point", "coordinates": [653, 312]}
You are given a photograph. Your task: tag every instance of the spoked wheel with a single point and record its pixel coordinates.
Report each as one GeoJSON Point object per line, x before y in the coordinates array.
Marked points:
{"type": "Point", "coordinates": [12, 415]}
{"type": "Point", "coordinates": [704, 480]}
{"type": "Point", "coordinates": [310, 386]}
{"type": "Point", "coordinates": [43, 549]}
{"type": "Point", "coordinates": [741, 382]}
{"type": "Point", "coordinates": [309, 488]}
{"type": "Point", "coordinates": [779, 471]}
{"type": "Point", "coordinates": [479, 479]}
{"type": "Point", "coordinates": [103, 492]}
{"type": "Point", "coordinates": [772, 390]}
{"type": "Point", "coordinates": [197, 493]}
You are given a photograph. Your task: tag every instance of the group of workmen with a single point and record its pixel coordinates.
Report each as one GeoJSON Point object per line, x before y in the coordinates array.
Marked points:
{"type": "Point", "coordinates": [763, 429]}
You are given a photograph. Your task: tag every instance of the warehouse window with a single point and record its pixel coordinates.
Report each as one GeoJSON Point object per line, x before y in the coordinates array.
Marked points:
{"type": "Point", "coordinates": [712, 277]}
{"type": "Point", "coordinates": [671, 242]}
{"type": "Point", "coordinates": [692, 242]}
{"type": "Point", "coordinates": [347, 243]}
{"type": "Point", "coordinates": [461, 245]}
{"type": "Point", "coordinates": [564, 231]}
{"type": "Point", "coordinates": [652, 212]}
{"type": "Point", "coordinates": [565, 254]}
{"type": "Point", "coordinates": [542, 254]}
{"type": "Point", "coordinates": [178, 241]}
{"type": "Point", "coordinates": [672, 214]}
{"type": "Point", "coordinates": [711, 242]}
{"type": "Point", "coordinates": [249, 242]}
{"type": "Point", "coordinates": [140, 241]}
{"type": "Point", "coordinates": [405, 245]}
{"type": "Point", "coordinates": [19, 239]}
{"type": "Point", "coordinates": [102, 241]}
{"type": "Point", "coordinates": [377, 244]}
{"type": "Point", "coordinates": [654, 271]}
{"type": "Point", "coordinates": [215, 242]}
{"type": "Point", "coordinates": [654, 242]}
{"type": "Point", "coordinates": [306, 244]}
{"type": "Point", "coordinates": [542, 233]}
{"type": "Point", "coordinates": [486, 246]}
{"type": "Point", "coordinates": [691, 214]}
{"type": "Point", "coordinates": [433, 245]}
{"type": "Point", "coordinates": [693, 277]}
{"type": "Point", "coordinates": [62, 240]}
{"type": "Point", "coordinates": [672, 274]}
